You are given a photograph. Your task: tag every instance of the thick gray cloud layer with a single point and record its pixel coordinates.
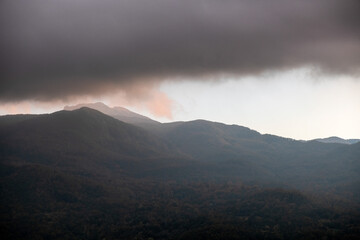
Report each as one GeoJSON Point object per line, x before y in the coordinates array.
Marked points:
{"type": "Point", "coordinates": [52, 49]}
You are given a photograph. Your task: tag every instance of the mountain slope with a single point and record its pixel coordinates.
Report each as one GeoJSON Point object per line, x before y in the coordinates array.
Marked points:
{"type": "Point", "coordinates": [87, 140]}
{"type": "Point", "coordinates": [84, 139]}
{"type": "Point", "coordinates": [85, 175]}
{"type": "Point", "coordinates": [232, 151]}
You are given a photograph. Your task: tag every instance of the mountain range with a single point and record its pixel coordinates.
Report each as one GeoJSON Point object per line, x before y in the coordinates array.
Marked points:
{"type": "Point", "coordinates": [128, 116]}
{"type": "Point", "coordinates": [122, 175]}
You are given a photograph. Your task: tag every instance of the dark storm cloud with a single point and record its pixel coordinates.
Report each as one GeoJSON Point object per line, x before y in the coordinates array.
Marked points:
{"type": "Point", "coordinates": [53, 49]}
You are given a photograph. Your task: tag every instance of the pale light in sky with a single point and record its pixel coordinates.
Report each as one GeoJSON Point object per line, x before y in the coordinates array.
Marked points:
{"type": "Point", "coordinates": [291, 67]}
{"type": "Point", "coordinates": [298, 104]}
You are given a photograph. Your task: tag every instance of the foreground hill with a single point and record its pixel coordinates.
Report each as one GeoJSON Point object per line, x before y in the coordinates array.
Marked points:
{"type": "Point", "coordinates": [80, 139]}
{"type": "Point", "coordinates": [40, 203]}
{"type": "Point", "coordinates": [84, 175]}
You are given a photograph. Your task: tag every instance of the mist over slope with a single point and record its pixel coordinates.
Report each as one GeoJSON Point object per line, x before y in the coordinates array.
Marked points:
{"type": "Point", "coordinates": [119, 113]}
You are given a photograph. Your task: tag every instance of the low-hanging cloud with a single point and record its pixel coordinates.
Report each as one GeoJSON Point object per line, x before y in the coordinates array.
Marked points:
{"type": "Point", "coordinates": [57, 49]}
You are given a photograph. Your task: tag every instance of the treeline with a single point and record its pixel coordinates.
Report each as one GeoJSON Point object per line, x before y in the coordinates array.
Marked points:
{"type": "Point", "coordinates": [42, 203]}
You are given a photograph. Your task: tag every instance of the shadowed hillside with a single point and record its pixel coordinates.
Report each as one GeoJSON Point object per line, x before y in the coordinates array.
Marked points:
{"type": "Point", "coordinates": [238, 152]}
{"type": "Point", "coordinates": [85, 175]}
{"type": "Point", "coordinates": [79, 139]}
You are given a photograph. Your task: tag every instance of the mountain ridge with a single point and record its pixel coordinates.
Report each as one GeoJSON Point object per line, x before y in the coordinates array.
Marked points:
{"type": "Point", "coordinates": [335, 139]}
{"type": "Point", "coordinates": [196, 148]}
{"type": "Point", "coordinates": [125, 115]}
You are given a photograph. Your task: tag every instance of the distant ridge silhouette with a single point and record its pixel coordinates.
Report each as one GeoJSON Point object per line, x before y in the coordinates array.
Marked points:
{"type": "Point", "coordinates": [337, 140]}
{"type": "Point", "coordinates": [119, 113]}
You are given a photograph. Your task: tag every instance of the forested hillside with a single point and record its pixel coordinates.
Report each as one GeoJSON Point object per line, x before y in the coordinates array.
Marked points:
{"type": "Point", "coordinates": [85, 175]}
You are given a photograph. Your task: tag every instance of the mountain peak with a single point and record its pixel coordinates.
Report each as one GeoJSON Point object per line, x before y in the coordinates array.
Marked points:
{"type": "Point", "coordinates": [119, 113]}
{"type": "Point", "coordinates": [101, 107]}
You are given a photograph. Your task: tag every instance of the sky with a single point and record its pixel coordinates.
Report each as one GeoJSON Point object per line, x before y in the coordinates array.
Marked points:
{"type": "Point", "coordinates": [285, 67]}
